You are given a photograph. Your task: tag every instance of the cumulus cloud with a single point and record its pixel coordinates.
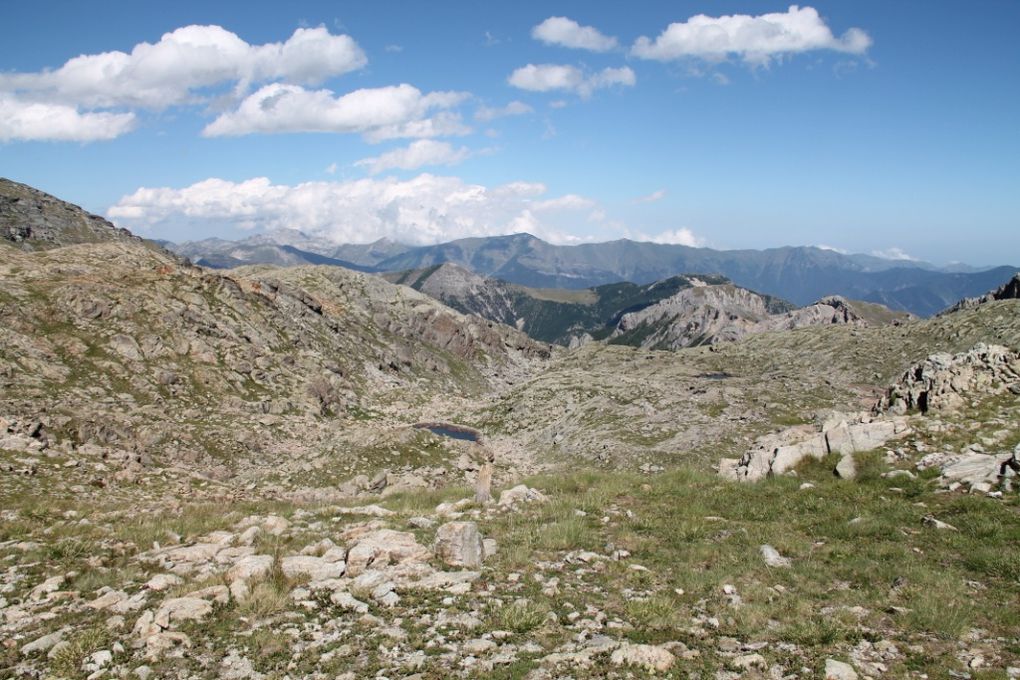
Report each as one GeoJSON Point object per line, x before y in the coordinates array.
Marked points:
{"type": "Point", "coordinates": [657, 195]}
{"type": "Point", "coordinates": [552, 77]}
{"type": "Point", "coordinates": [755, 39]}
{"type": "Point", "coordinates": [514, 108]}
{"type": "Point", "coordinates": [185, 61]}
{"type": "Point", "coordinates": [85, 98]}
{"type": "Point", "coordinates": [568, 33]}
{"type": "Point", "coordinates": [565, 202]}
{"type": "Point", "coordinates": [24, 121]}
{"type": "Point", "coordinates": [422, 210]}
{"type": "Point", "coordinates": [378, 113]}
{"type": "Point", "coordinates": [416, 155]}
{"type": "Point", "coordinates": [894, 254]}
{"type": "Point", "coordinates": [682, 237]}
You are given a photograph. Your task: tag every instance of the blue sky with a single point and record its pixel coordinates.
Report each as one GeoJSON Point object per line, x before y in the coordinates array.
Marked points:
{"type": "Point", "coordinates": [863, 126]}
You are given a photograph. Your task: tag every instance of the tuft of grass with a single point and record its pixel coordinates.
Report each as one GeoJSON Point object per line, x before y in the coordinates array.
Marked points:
{"type": "Point", "coordinates": [67, 662]}
{"type": "Point", "coordinates": [519, 617]}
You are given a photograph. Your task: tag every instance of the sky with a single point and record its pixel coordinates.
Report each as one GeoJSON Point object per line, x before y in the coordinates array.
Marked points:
{"type": "Point", "coordinates": [881, 127]}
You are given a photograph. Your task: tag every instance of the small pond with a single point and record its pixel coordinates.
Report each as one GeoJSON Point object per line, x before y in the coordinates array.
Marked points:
{"type": "Point", "coordinates": [451, 431]}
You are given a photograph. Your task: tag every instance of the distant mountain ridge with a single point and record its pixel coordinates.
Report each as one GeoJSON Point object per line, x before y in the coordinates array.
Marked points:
{"type": "Point", "coordinates": [681, 311]}
{"type": "Point", "coordinates": [799, 274]}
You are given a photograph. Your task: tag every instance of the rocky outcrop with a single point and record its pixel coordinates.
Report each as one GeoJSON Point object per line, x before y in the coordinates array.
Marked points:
{"type": "Point", "coordinates": [780, 452]}
{"type": "Point", "coordinates": [708, 314]}
{"type": "Point", "coordinates": [1007, 291]}
{"type": "Point", "coordinates": [945, 382]}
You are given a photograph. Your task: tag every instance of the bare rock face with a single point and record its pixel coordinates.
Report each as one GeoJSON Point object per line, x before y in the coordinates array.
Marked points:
{"type": "Point", "coordinates": [708, 314]}
{"type": "Point", "coordinates": [946, 382]}
{"type": "Point", "coordinates": [459, 544]}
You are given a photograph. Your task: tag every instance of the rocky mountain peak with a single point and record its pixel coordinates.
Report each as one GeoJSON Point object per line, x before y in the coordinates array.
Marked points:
{"type": "Point", "coordinates": [34, 220]}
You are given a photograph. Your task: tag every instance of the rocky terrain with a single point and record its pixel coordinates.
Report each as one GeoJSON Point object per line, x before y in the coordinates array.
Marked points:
{"type": "Point", "coordinates": [706, 314]}
{"type": "Point", "coordinates": [231, 474]}
{"type": "Point", "coordinates": [570, 317]}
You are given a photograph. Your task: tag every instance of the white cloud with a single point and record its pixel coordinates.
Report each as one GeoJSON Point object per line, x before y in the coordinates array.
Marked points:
{"type": "Point", "coordinates": [652, 197]}
{"type": "Point", "coordinates": [185, 61]}
{"type": "Point", "coordinates": [569, 33]}
{"type": "Point", "coordinates": [514, 108]}
{"type": "Point", "coordinates": [894, 254]}
{"type": "Point", "coordinates": [331, 169]}
{"type": "Point", "coordinates": [756, 39]}
{"type": "Point", "coordinates": [424, 209]}
{"type": "Point", "coordinates": [187, 66]}
{"type": "Point", "coordinates": [682, 236]}
{"type": "Point", "coordinates": [25, 121]}
{"type": "Point", "coordinates": [378, 113]}
{"type": "Point", "coordinates": [834, 249]}
{"type": "Point", "coordinates": [416, 155]}
{"type": "Point", "coordinates": [551, 77]}
{"type": "Point", "coordinates": [565, 202]}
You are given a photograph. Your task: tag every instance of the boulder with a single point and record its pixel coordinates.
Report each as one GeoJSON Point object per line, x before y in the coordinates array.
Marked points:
{"type": "Point", "coordinates": [459, 544]}
{"type": "Point", "coordinates": [381, 547]}
{"type": "Point", "coordinates": [315, 568]}
{"type": "Point", "coordinates": [838, 670]}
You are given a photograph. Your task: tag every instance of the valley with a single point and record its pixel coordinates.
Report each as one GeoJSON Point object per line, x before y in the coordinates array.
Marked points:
{"type": "Point", "coordinates": [249, 472]}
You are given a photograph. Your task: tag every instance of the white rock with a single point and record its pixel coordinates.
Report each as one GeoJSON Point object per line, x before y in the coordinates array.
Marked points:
{"type": "Point", "coordinates": [250, 567]}
{"type": "Point", "coordinates": [161, 582]}
{"type": "Point", "coordinates": [838, 670]}
{"type": "Point", "coordinates": [316, 568]}
{"type": "Point", "coordinates": [478, 646]}
{"type": "Point", "coordinates": [345, 600]}
{"type": "Point", "coordinates": [773, 558]}
{"type": "Point", "coordinates": [459, 544]}
{"type": "Point", "coordinates": [43, 644]}
{"type": "Point", "coordinates": [384, 546]}
{"type": "Point", "coordinates": [181, 609]}
{"type": "Point", "coordinates": [648, 657]}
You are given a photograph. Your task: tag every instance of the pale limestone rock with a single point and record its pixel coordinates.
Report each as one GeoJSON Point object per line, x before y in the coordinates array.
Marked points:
{"type": "Point", "coordinates": [648, 657]}
{"type": "Point", "coordinates": [520, 494]}
{"type": "Point", "coordinates": [315, 568]}
{"type": "Point", "coordinates": [838, 670]}
{"type": "Point", "coordinates": [847, 467]}
{"type": "Point", "coordinates": [773, 558]}
{"type": "Point", "coordinates": [250, 567]}
{"type": "Point", "coordinates": [181, 609]}
{"type": "Point", "coordinates": [459, 544]}
{"type": "Point", "coordinates": [161, 582]}
{"type": "Point", "coordinates": [478, 646]}
{"type": "Point", "coordinates": [381, 547]}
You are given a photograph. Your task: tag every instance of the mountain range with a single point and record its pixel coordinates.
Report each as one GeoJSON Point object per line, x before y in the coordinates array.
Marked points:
{"type": "Point", "coordinates": [801, 275]}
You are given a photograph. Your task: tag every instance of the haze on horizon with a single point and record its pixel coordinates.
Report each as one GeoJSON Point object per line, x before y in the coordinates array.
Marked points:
{"type": "Point", "coordinates": [863, 127]}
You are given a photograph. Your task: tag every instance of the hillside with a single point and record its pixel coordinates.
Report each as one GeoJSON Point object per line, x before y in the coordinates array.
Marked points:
{"type": "Point", "coordinates": [33, 220]}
